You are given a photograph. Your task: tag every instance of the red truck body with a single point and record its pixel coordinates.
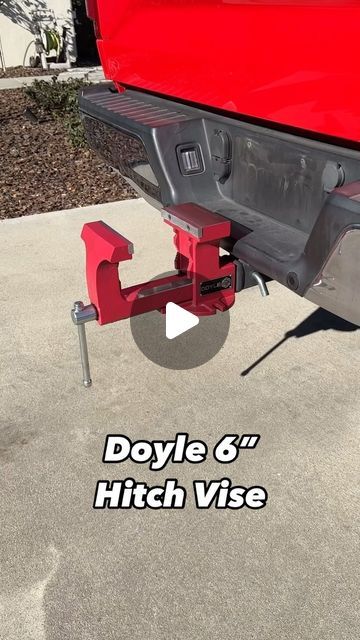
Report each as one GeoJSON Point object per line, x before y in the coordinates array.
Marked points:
{"type": "Point", "coordinates": [291, 62]}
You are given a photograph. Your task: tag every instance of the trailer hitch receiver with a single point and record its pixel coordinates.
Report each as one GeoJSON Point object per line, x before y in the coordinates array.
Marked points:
{"type": "Point", "coordinates": [204, 281]}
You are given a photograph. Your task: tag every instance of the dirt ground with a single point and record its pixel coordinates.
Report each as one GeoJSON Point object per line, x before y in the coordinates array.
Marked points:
{"type": "Point", "coordinates": [39, 168]}
{"type": "Point", "coordinates": [22, 72]}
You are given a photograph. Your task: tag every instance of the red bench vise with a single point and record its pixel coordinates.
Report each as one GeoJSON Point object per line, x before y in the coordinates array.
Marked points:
{"type": "Point", "coordinates": [203, 284]}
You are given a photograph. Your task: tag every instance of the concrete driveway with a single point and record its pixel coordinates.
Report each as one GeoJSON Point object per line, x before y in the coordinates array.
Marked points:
{"type": "Point", "coordinates": [287, 572]}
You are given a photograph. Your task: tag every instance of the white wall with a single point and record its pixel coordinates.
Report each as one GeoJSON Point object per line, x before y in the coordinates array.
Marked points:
{"type": "Point", "coordinates": [15, 27]}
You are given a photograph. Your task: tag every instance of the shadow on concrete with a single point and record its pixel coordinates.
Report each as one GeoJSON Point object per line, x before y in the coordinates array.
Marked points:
{"type": "Point", "coordinates": [319, 320]}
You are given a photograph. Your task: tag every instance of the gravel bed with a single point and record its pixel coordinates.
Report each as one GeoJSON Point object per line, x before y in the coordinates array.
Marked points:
{"type": "Point", "coordinates": [39, 168]}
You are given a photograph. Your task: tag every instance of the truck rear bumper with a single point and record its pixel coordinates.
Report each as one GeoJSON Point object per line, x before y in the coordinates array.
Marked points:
{"type": "Point", "coordinates": [293, 202]}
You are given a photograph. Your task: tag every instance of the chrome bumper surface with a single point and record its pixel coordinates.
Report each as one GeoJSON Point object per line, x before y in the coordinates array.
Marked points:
{"type": "Point", "coordinates": [337, 286]}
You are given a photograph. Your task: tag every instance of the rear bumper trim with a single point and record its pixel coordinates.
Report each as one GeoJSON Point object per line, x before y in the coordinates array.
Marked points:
{"type": "Point", "coordinates": [337, 286]}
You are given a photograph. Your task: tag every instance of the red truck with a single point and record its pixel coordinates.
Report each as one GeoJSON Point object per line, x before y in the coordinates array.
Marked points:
{"type": "Point", "coordinates": [242, 115]}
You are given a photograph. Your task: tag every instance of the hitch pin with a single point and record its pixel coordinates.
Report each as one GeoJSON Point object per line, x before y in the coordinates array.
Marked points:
{"type": "Point", "coordinates": [81, 314]}
{"type": "Point", "coordinates": [261, 283]}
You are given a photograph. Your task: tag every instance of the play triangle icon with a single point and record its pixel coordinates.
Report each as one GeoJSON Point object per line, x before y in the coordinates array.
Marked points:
{"type": "Point", "coordinates": [178, 320]}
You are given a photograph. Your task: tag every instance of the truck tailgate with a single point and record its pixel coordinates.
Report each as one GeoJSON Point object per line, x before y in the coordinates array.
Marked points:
{"type": "Point", "coordinates": [290, 62]}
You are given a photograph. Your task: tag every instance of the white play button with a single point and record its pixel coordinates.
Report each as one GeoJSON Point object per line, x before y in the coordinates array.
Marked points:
{"type": "Point", "coordinates": [178, 320]}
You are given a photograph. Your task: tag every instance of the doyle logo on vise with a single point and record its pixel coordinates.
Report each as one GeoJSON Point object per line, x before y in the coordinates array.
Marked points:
{"type": "Point", "coordinates": [219, 284]}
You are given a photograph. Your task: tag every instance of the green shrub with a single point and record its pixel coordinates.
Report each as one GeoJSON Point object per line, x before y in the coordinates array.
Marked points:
{"type": "Point", "coordinates": [60, 99]}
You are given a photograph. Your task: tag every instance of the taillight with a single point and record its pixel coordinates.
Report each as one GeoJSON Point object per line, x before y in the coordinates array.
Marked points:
{"type": "Point", "coordinates": [93, 14]}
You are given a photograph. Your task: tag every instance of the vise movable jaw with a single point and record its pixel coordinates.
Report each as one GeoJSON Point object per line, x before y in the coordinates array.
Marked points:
{"type": "Point", "coordinates": [203, 283]}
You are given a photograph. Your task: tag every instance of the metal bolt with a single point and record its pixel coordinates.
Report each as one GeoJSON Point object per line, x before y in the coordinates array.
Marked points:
{"type": "Point", "coordinates": [292, 280]}
{"type": "Point", "coordinates": [79, 306]}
